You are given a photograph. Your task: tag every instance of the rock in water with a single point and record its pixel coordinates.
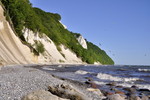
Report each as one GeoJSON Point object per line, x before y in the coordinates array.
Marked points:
{"type": "Point", "coordinates": [42, 95]}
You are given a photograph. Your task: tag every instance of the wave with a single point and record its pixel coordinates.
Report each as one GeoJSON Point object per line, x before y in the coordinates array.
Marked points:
{"type": "Point", "coordinates": [145, 86]}
{"type": "Point", "coordinates": [46, 68]}
{"type": "Point", "coordinates": [82, 72]}
{"type": "Point", "coordinates": [143, 70]}
{"type": "Point", "coordinates": [115, 78]}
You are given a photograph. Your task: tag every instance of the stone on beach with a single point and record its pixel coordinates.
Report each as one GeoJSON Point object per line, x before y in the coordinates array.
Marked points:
{"type": "Point", "coordinates": [42, 95]}
{"type": "Point", "coordinates": [131, 90]}
{"type": "Point", "coordinates": [145, 97]}
{"type": "Point", "coordinates": [134, 97]}
{"type": "Point", "coordinates": [112, 83]}
{"type": "Point", "coordinates": [67, 91]}
{"type": "Point", "coordinates": [96, 91]}
{"type": "Point", "coordinates": [115, 97]}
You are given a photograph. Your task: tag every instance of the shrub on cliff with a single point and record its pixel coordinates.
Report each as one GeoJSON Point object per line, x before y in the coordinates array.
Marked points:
{"type": "Point", "coordinates": [39, 47]}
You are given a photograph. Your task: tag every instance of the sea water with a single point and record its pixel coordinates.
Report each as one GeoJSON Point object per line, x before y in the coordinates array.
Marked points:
{"type": "Point", "coordinates": [123, 75]}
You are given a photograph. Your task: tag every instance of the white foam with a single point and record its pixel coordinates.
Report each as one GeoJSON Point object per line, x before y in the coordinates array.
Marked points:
{"type": "Point", "coordinates": [81, 72]}
{"type": "Point", "coordinates": [46, 68]}
{"type": "Point", "coordinates": [59, 66]}
{"type": "Point", "coordinates": [145, 86]}
{"type": "Point", "coordinates": [99, 82]}
{"type": "Point", "coordinates": [145, 70]}
{"type": "Point", "coordinates": [114, 78]}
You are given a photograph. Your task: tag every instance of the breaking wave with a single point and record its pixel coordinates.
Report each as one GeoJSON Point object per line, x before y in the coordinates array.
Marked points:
{"type": "Point", "coordinates": [46, 68]}
{"type": "Point", "coordinates": [144, 70]}
{"type": "Point", "coordinates": [115, 78]}
{"type": "Point", "coordinates": [82, 72]}
{"type": "Point", "coordinates": [145, 86]}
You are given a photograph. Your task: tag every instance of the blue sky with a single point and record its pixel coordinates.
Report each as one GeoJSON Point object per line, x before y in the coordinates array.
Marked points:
{"type": "Point", "coordinates": [122, 27]}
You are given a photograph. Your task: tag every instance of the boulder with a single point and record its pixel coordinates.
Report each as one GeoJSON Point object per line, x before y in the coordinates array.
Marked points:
{"type": "Point", "coordinates": [41, 95]}
{"type": "Point", "coordinates": [67, 91]}
{"type": "Point", "coordinates": [95, 91]}
{"type": "Point", "coordinates": [120, 92]}
{"type": "Point", "coordinates": [130, 90]}
{"type": "Point", "coordinates": [145, 97]}
{"type": "Point", "coordinates": [134, 97]}
{"type": "Point", "coordinates": [115, 97]}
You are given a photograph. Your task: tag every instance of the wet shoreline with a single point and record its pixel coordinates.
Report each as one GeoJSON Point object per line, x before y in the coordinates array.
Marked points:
{"type": "Point", "coordinates": [109, 88]}
{"type": "Point", "coordinates": [18, 81]}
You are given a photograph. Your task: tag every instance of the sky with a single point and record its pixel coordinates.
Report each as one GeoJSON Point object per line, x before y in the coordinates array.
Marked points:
{"type": "Point", "coordinates": [120, 27]}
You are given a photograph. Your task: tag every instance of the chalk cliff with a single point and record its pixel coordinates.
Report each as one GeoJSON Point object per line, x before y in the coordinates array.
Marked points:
{"type": "Point", "coordinates": [13, 51]}
{"type": "Point", "coordinates": [82, 42]}
{"type": "Point", "coordinates": [51, 53]}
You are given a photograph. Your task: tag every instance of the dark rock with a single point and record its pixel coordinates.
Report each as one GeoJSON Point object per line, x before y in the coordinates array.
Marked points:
{"type": "Point", "coordinates": [131, 90]}
{"type": "Point", "coordinates": [89, 78]}
{"type": "Point", "coordinates": [119, 86]}
{"type": "Point", "coordinates": [134, 87]}
{"type": "Point", "coordinates": [106, 93]}
{"type": "Point", "coordinates": [110, 93]}
{"type": "Point", "coordinates": [87, 82]}
{"type": "Point", "coordinates": [93, 85]}
{"type": "Point", "coordinates": [112, 84]}
{"type": "Point", "coordinates": [146, 90]}
{"type": "Point", "coordinates": [119, 92]}
{"type": "Point", "coordinates": [114, 89]}
{"type": "Point", "coordinates": [122, 69]}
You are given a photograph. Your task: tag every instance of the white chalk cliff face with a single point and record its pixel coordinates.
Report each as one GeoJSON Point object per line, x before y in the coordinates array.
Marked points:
{"type": "Point", "coordinates": [82, 42]}
{"type": "Point", "coordinates": [51, 54]}
{"type": "Point", "coordinates": [13, 51]}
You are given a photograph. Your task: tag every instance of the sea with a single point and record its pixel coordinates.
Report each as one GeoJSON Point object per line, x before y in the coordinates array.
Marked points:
{"type": "Point", "coordinates": [124, 75]}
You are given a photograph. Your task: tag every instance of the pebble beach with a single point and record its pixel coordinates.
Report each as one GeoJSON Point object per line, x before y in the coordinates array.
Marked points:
{"type": "Point", "coordinates": [18, 81]}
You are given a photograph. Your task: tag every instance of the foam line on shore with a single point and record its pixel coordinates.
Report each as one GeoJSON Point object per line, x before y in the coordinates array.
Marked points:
{"type": "Point", "coordinates": [114, 78]}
